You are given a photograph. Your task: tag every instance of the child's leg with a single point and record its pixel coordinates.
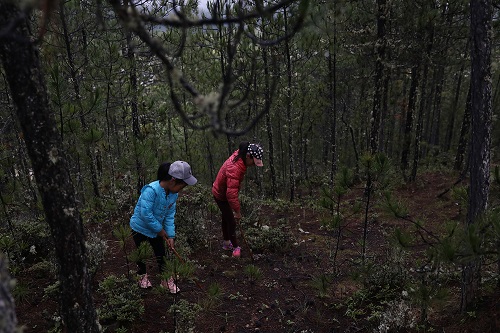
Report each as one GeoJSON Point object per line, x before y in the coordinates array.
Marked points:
{"type": "Point", "coordinates": [158, 245]}
{"type": "Point", "coordinates": [138, 239]}
{"type": "Point", "coordinates": [222, 208]}
{"type": "Point", "coordinates": [228, 222]}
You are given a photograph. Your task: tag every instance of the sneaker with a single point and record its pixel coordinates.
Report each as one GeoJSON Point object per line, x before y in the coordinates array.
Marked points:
{"type": "Point", "coordinates": [144, 282]}
{"type": "Point", "coordinates": [170, 284]}
{"type": "Point", "coordinates": [227, 247]}
{"type": "Point", "coordinates": [237, 252]}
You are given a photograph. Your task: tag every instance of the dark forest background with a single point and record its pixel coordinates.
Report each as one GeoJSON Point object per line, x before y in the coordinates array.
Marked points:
{"type": "Point", "coordinates": [95, 94]}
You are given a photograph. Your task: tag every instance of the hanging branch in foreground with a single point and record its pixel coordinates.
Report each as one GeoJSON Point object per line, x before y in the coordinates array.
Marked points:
{"type": "Point", "coordinates": [213, 106]}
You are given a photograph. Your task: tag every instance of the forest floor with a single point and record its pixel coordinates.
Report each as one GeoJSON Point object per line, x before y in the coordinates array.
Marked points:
{"type": "Point", "coordinates": [303, 287]}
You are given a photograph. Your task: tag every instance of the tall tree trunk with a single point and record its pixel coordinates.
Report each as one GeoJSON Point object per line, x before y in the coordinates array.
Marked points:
{"type": "Point", "coordinates": [405, 152]}
{"type": "Point", "coordinates": [332, 70]}
{"type": "Point", "coordinates": [289, 113]}
{"type": "Point", "coordinates": [383, 141]}
{"type": "Point", "coordinates": [23, 70]}
{"type": "Point", "coordinates": [464, 134]}
{"type": "Point", "coordinates": [453, 112]}
{"type": "Point", "coordinates": [134, 108]}
{"type": "Point", "coordinates": [423, 101]}
{"type": "Point", "coordinates": [434, 130]}
{"type": "Point", "coordinates": [325, 126]}
{"type": "Point", "coordinates": [379, 76]}
{"type": "Point", "coordinates": [299, 135]}
{"type": "Point", "coordinates": [481, 16]}
{"type": "Point", "coordinates": [186, 132]}
{"type": "Point", "coordinates": [435, 127]}
{"type": "Point", "coordinates": [281, 149]}
{"type": "Point", "coordinates": [269, 127]}
{"type": "Point", "coordinates": [306, 150]}
{"type": "Point", "coordinates": [391, 131]}
{"type": "Point", "coordinates": [353, 139]}
{"type": "Point", "coordinates": [419, 128]}
{"type": "Point", "coordinates": [113, 141]}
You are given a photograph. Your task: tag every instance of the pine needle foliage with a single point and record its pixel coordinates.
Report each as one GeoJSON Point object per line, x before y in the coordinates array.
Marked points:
{"type": "Point", "coordinates": [122, 300]}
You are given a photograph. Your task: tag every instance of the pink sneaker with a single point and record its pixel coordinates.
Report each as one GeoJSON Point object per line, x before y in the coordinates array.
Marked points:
{"type": "Point", "coordinates": [144, 282]}
{"type": "Point", "coordinates": [227, 247]}
{"type": "Point", "coordinates": [237, 252]}
{"type": "Point", "coordinates": [170, 284]}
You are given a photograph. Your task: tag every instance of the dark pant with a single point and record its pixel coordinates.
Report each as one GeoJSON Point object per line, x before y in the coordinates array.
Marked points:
{"type": "Point", "coordinates": [158, 246]}
{"type": "Point", "coordinates": [228, 222]}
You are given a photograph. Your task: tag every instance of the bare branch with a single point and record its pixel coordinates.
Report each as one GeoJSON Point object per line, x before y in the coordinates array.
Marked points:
{"type": "Point", "coordinates": [182, 22]}
{"type": "Point", "coordinates": [215, 105]}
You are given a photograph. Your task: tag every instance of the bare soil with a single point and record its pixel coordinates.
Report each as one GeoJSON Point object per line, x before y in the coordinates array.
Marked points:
{"type": "Point", "coordinates": [284, 298]}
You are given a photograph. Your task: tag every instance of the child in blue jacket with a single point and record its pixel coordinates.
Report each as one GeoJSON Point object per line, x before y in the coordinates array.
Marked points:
{"type": "Point", "coordinates": [153, 218]}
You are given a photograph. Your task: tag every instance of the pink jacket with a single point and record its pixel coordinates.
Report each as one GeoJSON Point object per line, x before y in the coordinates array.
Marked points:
{"type": "Point", "coordinates": [228, 181]}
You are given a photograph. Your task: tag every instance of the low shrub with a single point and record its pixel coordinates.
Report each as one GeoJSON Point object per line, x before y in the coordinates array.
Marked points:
{"type": "Point", "coordinates": [122, 300]}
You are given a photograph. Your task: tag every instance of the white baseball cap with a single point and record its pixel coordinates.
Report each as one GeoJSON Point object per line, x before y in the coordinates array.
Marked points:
{"type": "Point", "coordinates": [182, 170]}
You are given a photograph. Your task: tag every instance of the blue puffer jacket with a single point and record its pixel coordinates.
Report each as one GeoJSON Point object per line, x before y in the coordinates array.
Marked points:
{"type": "Point", "coordinates": [154, 211]}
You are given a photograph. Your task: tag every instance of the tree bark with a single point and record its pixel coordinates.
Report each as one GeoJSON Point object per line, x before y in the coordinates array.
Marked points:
{"type": "Point", "coordinates": [451, 118]}
{"type": "Point", "coordinates": [379, 77]}
{"type": "Point", "coordinates": [269, 127]}
{"type": "Point", "coordinates": [332, 70]}
{"type": "Point", "coordinates": [481, 111]}
{"type": "Point", "coordinates": [464, 134]}
{"type": "Point", "coordinates": [435, 127]}
{"type": "Point", "coordinates": [423, 101]}
{"type": "Point", "coordinates": [134, 108]}
{"type": "Point", "coordinates": [405, 152]}
{"type": "Point", "coordinates": [385, 133]}
{"type": "Point", "coordinates": [289, 114]}
{"type": "Point", "coordinates": [23, 71]}
{"type": "Point", "coordinates": [8, 319]}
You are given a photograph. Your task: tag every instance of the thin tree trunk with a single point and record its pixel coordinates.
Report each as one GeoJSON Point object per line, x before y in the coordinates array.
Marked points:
{"type": "Point", "coordinates": [383, 146]}
{"type": "Point", "coordinates": [368, 194]}
{"type": "Point", "coordinates": [464, 134]}
{"type": "Point", "coordinates": [481, 110]}
{"type": "Point", "coordinates": [423, 100]}
{"type": "Point", "coordinates": [454, 108]}
{"type": "Point", "coordinates": [306, 151]}
{"type": "Point", "coordinates": [134, 108]}
{"type": "Point", "coordinates": [23, 70]}
{"type": "Point", "coordinates": [325, 126]}
{"type": "Point", "coordinates": [269, 127]}
{"type": "Point", "coordinates": [332, 70]}
{"type": "Point", "coordinates": [211, 164]}
{"type": "Point", "coordinates": [289, 113]}
{"type": "Point", "coordinates": [299, 153]}
{"type": "Point", "coordinates": [379, 76]}
{"type": "Point", "coordinates": [111, 131]}
{"type": "Point", "coordinates": [353, 139]}
{"type": "Point", "coordinates": [435, 127]}
{"type": "Point", "coordinates": [405, 152]}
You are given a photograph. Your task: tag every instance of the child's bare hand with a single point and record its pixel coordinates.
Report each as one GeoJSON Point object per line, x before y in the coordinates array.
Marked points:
{"type": "Point", "coordinates": [170, 243]}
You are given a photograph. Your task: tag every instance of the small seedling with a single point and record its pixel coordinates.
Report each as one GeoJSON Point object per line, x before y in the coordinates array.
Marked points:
{"type": "Point", "coordinates": [253, 272]}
